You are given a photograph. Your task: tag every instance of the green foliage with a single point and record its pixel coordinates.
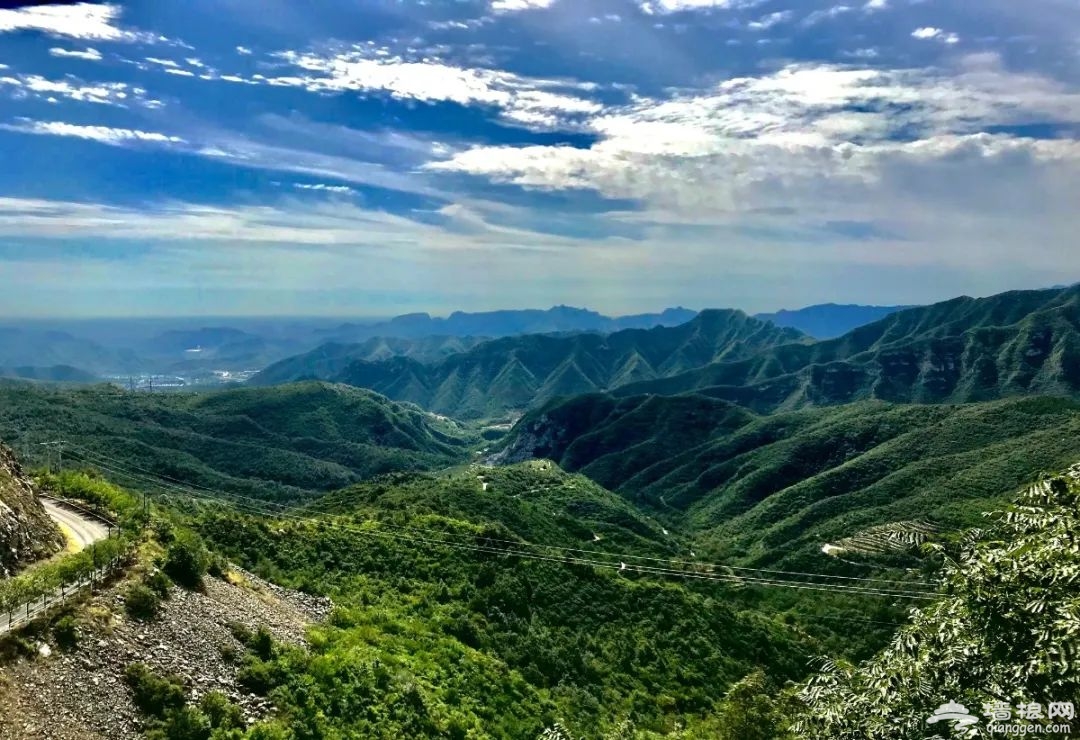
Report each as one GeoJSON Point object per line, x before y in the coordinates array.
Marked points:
{"type": "Point", "coordinates": [772, 490]}
{"type": "Point", "coordinates": [141, 603]}
{"type": "Point", "coordinates": [272, 443]}
{"type": "Point", "coordinates": [433, 641]}
{"type": "Point", "coordinates": [94, 490]}
{"type": "Point", "coordinates": [66, 632]}
{"type": "Point", "coordinates": [154, 695]}
{"type": "Point", "coordinates": [158, 582]}
{"type": "Point", "coordinates": [1006, 631]}
{"type": "Point", "coordinates": [187, 561]}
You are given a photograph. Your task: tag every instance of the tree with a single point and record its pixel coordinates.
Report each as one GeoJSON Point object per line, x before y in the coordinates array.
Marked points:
{"type": "Point", "coordinates": [1007, 630]}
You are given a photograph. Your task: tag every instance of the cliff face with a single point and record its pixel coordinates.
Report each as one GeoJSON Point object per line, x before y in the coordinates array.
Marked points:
{"type": "Point", "coordinates": [26, 531]}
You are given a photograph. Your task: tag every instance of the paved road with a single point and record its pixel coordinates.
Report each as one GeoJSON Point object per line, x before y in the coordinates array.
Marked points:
{"type": "Point", "coordinates": [85, 529]}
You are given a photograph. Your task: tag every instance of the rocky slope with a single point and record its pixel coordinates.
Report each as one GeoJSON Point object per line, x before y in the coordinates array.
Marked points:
{"type": "Point", "coordinates": [26, 531]}
{"type": "Point", "coordinates": [81, 694]}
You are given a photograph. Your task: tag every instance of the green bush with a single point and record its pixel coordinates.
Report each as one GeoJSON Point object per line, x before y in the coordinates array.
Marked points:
{"type": "Point", "coordinates": [66, 632]}
{"type": "Point", "coordinates": [154, 695]}
{"type": "Point", "coordinates": [223, 714]}
{"type": "Point", "coordinates": [159, 583]}
{"type": "Point", "coordinates": [186, 561]}
{"type": "Point", "coordinates": [142, 603]}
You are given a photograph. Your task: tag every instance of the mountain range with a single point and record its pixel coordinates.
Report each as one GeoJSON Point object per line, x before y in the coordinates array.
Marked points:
{"type": "Point", "coordinates": [497, 324]}
{"type": "Point", "coordinates": [964, 349]}
{"type": "Point", "coordinates": [519, 372]}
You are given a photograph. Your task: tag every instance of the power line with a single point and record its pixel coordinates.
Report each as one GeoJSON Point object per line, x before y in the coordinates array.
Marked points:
{"type": "Point", "coordinates": [259, 507]}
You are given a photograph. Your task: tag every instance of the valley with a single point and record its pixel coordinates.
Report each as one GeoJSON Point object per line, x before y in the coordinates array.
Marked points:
{"type": "Point", "coordinates": [632, 551]}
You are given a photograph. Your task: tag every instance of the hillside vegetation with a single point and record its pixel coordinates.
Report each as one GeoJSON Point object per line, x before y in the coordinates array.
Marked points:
{"type": "Point", "coordinates": [522, 372]}
{"type": "Point", "coordinates": [764, 489]}
{"type": "Point", "coordinates": [268, 443]}
{"type": "Point", "coordinates": [962, 350]}
{"type": "Point", "coordinates": [438, 634]}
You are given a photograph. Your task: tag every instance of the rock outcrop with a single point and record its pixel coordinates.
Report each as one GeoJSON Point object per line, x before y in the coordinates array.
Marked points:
{"type": "Point", "coordinates": [26, 531]}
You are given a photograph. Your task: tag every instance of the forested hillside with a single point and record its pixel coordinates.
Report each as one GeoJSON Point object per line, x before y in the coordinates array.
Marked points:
{"type": "Point", "coordinates": [961, 350]}
{"type": "Point", "coordinates": [521, 372]}
{"type": "Point", "coordinates": [441, 631]}
{"type": "Point", "coordinates": [269, 443]}
{"type": "Point", "coordinates": [761, 489]}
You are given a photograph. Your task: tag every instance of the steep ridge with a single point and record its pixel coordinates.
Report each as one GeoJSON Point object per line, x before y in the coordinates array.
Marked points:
{"type": "Point", "coordinates": [26, 531]}
{"type": "Point", "coordinates": [526, 371]}
{"type": "Point", "coordinates": [961, 350]}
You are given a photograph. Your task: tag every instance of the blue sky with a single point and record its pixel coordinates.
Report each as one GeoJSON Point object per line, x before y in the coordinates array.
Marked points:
{"type": "Point", "coordinates": [375, 157]}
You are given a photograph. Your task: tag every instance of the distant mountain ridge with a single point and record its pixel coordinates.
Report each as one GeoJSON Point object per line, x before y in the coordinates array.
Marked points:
{"type": "Point", "coordinates": [497, 324]}
{"type": "Point", "coordinates": [966, 349]}
{"type": "Point", "coordinates": [829, 320]}
{"type": "Point", "coordinates": [525, 371]}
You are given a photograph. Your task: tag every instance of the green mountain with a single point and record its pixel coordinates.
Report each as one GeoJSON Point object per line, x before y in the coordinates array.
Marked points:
{"type": "Point", "coordinates": [278, 442]}
{"type": "Point", "coordinates": [522, 372]}
{"type": "Point", "coordinates": [767, 489]}
{"type": "Point", "coordinates": [961, 350]}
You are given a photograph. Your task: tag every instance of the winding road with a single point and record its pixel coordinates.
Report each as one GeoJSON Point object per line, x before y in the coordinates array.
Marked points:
{"type": "Point", "coordinates": [85, 529]}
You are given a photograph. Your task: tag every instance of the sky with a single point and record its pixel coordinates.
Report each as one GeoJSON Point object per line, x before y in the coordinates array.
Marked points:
{"type": "Point", "coordinates": [376, 157]}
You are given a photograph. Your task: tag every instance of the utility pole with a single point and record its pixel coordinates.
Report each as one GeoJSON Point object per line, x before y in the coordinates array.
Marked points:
{"type": "Point", "coordinates": [58, 445]}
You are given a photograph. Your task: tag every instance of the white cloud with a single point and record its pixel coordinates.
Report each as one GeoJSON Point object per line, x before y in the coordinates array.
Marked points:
{"type": "Point", "coordinates": [663, 7]}
{"type": "Point", "coordinates": [243, 50]}
{"type": "Point", "coordinates": [768, 21]}
{"type": "Point", "coordinates": [91, 21]}
{"type": "Point", "coordinates": [90, 55]}
{"type": "Point", "coordinates": [504, 6]}
{"type": "Point", "coordinates": [72, 88]}
{"type": "Point", "coordinates": [102, 134]}
{"type": "Point", "coordinates": [873, 5]}
{"type": "Point", "coordinates": [322, 187]}
{"type": "Point", "coordinates": [162, 62]}
{"type": "Point", "coordinates": [529, 102]}
{"type": "Point", "coordinates": [820, 139]}
{"type": "Point", "coordinates": [929, 32]}
{"type": "Point", "coordinates": [826, 14]}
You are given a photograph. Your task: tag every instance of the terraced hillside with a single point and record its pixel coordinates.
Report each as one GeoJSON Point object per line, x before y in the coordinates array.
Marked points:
{"type": "Point", "coordinates": [524, 372]}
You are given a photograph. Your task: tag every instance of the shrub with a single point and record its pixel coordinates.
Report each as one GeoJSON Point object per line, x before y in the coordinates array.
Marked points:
{"type": "Point", "coordinates": [159, 583]}
{"type": "Point", "coordinates": [154, 695]}
{"type": "Point", "coordinates": [222, 713]}
{"type": "Point", "coordinates": [262, 644]}
{"type": "Point", "coordinates": [142, 603]}
{"type": "Point", "coordinates": [186, 561]}
{"type": "Point", "coordinates": [65, 630]}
